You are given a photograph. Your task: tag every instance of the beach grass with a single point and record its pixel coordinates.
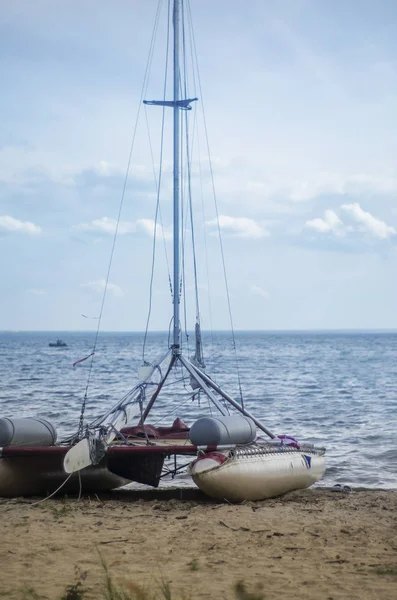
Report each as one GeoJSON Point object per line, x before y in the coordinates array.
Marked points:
{"type": "Point", "coordinates": [131, 590]}
{"type": "Point", "coordinates": [160, 590]}
{"type": "Point", "coordinates": [194, 565]}
{"type": "Point", "coordinates": [387, 570]}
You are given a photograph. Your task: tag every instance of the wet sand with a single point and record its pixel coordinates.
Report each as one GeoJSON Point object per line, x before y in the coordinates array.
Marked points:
{"type": "Point", "coordinates": [313, 544]}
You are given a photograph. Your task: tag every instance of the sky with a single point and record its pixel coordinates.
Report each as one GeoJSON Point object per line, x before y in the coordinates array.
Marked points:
{"type": "Point", "coordinates": [300, 101]}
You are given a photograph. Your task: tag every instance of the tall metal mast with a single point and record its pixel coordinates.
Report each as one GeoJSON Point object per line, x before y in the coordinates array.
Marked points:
{"type": "Point", "coordinates": [177, 104]}
{"type": "Point", "coordinates": [176, 336]}
{"type": "Point", "coordinates": [91, 448]}
{"type": "Point", "coordinates": [194, 368]}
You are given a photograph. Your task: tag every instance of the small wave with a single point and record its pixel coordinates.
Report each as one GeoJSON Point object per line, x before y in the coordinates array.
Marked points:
{"type": "Point", "coordinates": [310, 386]}
{"type": "Point", "coordinates": [387, 455]}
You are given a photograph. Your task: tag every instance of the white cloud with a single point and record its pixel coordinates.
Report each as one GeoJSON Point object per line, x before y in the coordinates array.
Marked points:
{"type": "Point", "coordinates": [255, 289]}
{"type": "Point", "coordinates": [307, 185]}
{"type": "Point", "coordinates": [330, 223]}
{"type": "Point", "coordinates": [368, 222]}
{"type": "Point", "coordinates": [36, 292]}
{"type": "Point", "coordinates": [11, 224]}
{"type": "Point", "coordinates": [106, 169]}
{"type": "Point", "coordinates": [360, 183]}
{"type": "Point", "coordinates": [316, 185]}
{"type": "Point", "coordinates": [356, 184]}
{"type": "Point", "coordinates": [98, 287]}
{"type": "Point", "coordinates": [283, 190]}
{"type": "Point", "coordinates": [239, 226]}
{"type": "Point", "coordinates": [106, 225]}
{"type": "Point", "coordinates": [147, 225]}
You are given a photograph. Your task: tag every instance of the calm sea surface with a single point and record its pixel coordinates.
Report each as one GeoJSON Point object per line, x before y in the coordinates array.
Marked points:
{"type": "Point", "coordinates": [338, 390]}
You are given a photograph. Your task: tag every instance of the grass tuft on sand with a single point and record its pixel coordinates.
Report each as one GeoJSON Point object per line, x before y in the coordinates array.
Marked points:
{"type": "Point", "coordinates": [387, 570]}
{"type": "Point", "coordinates": [131, 590]}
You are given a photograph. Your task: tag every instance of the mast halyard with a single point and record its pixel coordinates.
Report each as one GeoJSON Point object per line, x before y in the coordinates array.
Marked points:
{"type": "Point", "coordinates": [176, 328]}
{"type": "Point", "coordinates": [177, 104]}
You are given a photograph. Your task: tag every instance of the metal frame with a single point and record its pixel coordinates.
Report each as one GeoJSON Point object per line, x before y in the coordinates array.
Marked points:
{"type": "Point", "coordinates": [204, 382]}
{"type": "Point", "coordinates": [103, 430]}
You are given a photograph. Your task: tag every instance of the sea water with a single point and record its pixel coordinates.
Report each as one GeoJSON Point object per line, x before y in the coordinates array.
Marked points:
{"type": "Point", "coordinates": [337, 390]}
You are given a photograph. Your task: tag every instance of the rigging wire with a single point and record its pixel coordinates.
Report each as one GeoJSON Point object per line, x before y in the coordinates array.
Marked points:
{"type": "Point", "coordinates": [205, 245]}
{"type": "Point", "coordinates": [158, 194]}
{"type": "Point", "coordinates": [216, 207]}
{"type": "Point", "coordinates": [189, 154]}
{"type": "Point", "coordinates": [146, 74]}
{"type": "Point", "coordinates": [189, 183]}
{"type": "Point", "coordinates": [197, 134]}
{"type": "Point", "coordinates": [157, 188]}
{"type": "Point", "coordinates": [183, 253]}
{"type": "Point", "coordinates": [190, 213]}
{"type": "Point", "coordinates": [185, 220]}
{"type": "Point", "coordinates": [183, 279]}
{"type": "Point", "coordinates": [190, 397]}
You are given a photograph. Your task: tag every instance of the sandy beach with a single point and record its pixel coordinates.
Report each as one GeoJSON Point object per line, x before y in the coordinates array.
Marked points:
{"type": "Point", "coordinates": [311, 544]}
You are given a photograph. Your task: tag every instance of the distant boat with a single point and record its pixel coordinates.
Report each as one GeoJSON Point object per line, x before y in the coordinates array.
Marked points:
{"type": "Point", "coordinates": [58, 344]}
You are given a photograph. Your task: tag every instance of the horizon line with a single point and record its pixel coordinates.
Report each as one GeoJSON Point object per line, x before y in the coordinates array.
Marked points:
{"type": "Point", "coordinates": [165, 331]}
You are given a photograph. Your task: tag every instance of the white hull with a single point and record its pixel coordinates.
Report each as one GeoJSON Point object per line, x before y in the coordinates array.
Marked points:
{"type": "Point", "coordinates": [246, 476]}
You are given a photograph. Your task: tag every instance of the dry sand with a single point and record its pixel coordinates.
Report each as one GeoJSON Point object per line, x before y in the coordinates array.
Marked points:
{"type": "Point", "coordinates": [310, 544]}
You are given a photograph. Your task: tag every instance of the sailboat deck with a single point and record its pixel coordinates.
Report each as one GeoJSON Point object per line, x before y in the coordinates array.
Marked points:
{"type": "Point", "coordinates": [159, 446]}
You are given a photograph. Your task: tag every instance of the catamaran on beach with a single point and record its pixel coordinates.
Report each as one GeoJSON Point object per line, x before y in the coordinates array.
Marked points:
{"type": "Point", "coordinates": [235, 456]}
